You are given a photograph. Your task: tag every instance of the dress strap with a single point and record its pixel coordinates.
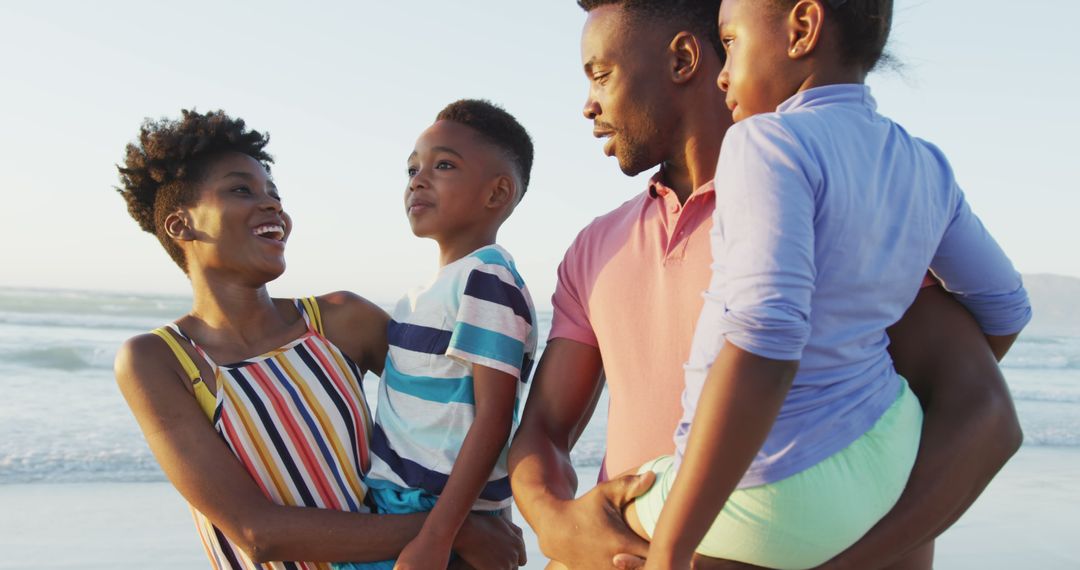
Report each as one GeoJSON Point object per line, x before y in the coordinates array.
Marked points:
{"type": "Point", "coordinates": [206, 399]}
{"type": "Point", "coordinates": [309, 308]}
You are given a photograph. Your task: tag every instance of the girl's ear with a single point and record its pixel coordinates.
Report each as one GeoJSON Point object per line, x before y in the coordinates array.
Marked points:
{"type": "Point", "coordinates": [178, 226]}
{"type": "Point", "coordinates": [804, 24]}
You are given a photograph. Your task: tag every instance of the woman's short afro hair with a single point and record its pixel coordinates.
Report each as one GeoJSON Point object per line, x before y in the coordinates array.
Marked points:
{"type": "Point", "coordinates": [161, 170]}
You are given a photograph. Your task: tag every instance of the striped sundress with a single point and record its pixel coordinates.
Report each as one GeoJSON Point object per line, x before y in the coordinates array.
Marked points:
{"type": "Point", "coordinates": [296, 419]}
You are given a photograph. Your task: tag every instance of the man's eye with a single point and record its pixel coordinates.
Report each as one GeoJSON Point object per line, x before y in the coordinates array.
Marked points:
{"type": "Point", "coordinates": [601, 78]}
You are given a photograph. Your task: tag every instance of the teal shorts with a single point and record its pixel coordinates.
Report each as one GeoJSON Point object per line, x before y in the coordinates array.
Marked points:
{"type": "Point", "coordinates": [810, 517]}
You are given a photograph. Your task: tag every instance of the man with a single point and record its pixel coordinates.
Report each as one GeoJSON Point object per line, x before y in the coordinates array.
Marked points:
{"type": "Point", "coordinates": [628, 297]}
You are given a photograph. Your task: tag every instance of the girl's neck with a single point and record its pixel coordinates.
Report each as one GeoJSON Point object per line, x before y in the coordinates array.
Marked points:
{"type": "Point", "coordinates": [823, 75]}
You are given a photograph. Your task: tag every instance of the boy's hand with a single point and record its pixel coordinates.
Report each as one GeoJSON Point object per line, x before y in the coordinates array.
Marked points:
{"type": "Point", "coordinates": [423, 553]}
{"type": "Point", "coordinates": [486, 542]}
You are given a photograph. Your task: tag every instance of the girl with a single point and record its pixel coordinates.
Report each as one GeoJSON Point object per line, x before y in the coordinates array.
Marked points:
{"type": "Point", "coordinates": [253, 405]}
{"type": "Point", "coordinates": [798, 435]}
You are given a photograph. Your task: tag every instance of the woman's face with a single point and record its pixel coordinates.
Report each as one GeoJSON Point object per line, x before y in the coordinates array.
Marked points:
{"type": "Point", "coordinates": [237, 225]}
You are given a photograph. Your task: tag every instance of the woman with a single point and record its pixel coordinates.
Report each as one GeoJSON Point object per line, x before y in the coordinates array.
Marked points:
{"type": "Point", "coordinates": [285, 424]}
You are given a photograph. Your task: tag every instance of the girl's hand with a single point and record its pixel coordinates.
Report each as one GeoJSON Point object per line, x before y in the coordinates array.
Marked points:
{"type": "Point", "coordinates": [423, 553]}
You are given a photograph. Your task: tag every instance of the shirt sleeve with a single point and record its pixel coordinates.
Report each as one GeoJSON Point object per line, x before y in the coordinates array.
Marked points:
{"type": "Point", "coordinates": [494, 320]}
{"type": "Point", "coordinates": [763, 241]}
{"type": "Point", "coordinates": [569, 315]}
{"type": "Point", "coordinates": [972, 266]}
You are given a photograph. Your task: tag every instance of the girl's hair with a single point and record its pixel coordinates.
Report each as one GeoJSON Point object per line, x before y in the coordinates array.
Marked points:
{"type": "Point", "coordinates": [863, 25]}
{"type": "Point", "coordinates": [162, 169]}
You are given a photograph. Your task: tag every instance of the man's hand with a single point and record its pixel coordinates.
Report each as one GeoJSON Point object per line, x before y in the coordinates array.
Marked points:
{"type": "Point", "coordinates": [490, 542]}
{"type": "Point", "coordinates": [588, 532]}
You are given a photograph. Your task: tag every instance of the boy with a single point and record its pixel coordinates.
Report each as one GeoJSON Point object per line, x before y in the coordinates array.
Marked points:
{"type": "Point", "coordinates": [462, 346]}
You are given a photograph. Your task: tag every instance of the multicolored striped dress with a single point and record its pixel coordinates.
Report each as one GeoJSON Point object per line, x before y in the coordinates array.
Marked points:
{"type": "Point", "coordinates": [296, 419]}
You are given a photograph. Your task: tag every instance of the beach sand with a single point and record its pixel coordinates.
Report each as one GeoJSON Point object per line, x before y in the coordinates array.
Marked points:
{"type": "Point", "coordinates": [1026, 519]}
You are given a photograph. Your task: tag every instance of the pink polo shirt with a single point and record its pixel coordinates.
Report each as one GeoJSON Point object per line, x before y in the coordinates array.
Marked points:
{"type": "Point", "coordinates": [631, 285]}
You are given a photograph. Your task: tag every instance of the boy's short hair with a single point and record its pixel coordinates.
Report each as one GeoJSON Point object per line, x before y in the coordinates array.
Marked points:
{"type": "Point", "coordinates": [499, 128]}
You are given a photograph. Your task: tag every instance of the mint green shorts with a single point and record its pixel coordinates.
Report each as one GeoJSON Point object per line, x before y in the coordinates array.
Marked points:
{"type": "Point", "coordinates": [810, 517]}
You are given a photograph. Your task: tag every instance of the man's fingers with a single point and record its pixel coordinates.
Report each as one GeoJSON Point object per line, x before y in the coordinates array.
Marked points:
{"type": "Point", "coordinates": [628, 562]}
{"type": "Point", "coordinates": [623, 490]}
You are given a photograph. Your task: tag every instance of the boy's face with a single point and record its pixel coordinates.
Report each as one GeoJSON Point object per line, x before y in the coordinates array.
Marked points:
{"type": "Point", "coordinates": [756, 76]}
{"type": "Point", "coordinates": [452, 172]}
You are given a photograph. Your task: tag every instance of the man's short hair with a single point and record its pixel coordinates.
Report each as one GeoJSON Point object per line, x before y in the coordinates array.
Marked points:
{"type": "Point", "coordinates": [696, 16]}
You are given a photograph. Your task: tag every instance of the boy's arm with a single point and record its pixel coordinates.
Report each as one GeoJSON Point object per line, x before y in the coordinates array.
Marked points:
{"type": "Point", "coordinates": [970, 428]}
{"type": "Point", "coordinates": [494, 392]}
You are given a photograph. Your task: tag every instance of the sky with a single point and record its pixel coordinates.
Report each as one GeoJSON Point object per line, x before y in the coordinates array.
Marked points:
{"type": "Point", "coordinates": [344, 88]}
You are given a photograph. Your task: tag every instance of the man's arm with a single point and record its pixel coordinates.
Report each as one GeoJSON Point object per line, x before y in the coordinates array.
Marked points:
{"type": "Point", "coordinates": [970, 428]}
{"type": "Point", "coordinates": [589, 531]}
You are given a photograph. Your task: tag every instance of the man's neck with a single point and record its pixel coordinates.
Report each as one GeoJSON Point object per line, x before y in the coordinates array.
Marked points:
{"type": "Point", "coordinates": [694, 160]}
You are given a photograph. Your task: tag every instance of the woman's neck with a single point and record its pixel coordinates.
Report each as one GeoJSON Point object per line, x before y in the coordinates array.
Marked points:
{"type": "Point", "coordinates": [228, 312]}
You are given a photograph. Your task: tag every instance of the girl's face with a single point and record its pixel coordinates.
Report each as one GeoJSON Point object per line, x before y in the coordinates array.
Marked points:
{"type": "Point", "coordinates": [758, 75]}
{"type": "Point", "coordinates": [238, 225]}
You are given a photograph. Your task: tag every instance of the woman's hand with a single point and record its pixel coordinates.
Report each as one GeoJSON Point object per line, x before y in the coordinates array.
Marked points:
{"type": "Point", "coordinates": [490, 542]}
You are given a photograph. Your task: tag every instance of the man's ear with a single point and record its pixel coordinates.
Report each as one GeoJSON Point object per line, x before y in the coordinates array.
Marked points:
{"type": "Point", "coordinates": [178, 226]}
{"type": "Point", "coordinates": [503, 192]}
{"type": "Point", "coordinates": [685, 55]}
{"type": "Point", "coordinates": [804, 24]}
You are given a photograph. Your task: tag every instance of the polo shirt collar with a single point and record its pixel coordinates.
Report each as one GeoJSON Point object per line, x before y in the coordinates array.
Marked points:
{"type": "Point", "coordinates": [657, 188]}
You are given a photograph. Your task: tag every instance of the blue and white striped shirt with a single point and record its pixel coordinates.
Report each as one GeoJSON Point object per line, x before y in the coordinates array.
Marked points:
{"type": "Point", "coordinates": [477, 311]}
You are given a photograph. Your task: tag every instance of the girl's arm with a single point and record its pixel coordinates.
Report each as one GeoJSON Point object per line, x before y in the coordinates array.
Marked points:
{"type": "Point", "coordinates": [211, 479]}
{"type": "Point", "coordinates": [753, 326]}
{"type": "Point", "coordinates": [494, 392]}
{"type": "Point", "coordinates": [737, 408]}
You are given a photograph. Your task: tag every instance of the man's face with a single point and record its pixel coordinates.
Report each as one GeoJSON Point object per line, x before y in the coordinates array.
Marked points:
{"type": "Point", "coordinates": [630, 100]}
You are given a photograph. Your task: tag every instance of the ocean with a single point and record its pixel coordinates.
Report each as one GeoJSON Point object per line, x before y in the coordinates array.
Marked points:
{"type": "Point", "coordinates": [63, 420]}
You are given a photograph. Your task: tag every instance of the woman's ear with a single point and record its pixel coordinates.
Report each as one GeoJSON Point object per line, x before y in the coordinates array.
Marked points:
{"type": "Point", "coordinates": [804, 24]}
{"type": "Point", "coordinates": [178, 226]}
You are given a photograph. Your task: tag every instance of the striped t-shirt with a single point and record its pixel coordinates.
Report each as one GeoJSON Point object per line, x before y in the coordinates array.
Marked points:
{"type": "Point", "coordinates": [477, 311]}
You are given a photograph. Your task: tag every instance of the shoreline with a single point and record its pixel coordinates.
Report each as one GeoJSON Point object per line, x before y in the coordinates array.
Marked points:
{"type": "Point", "coordinates": [1024, 519]}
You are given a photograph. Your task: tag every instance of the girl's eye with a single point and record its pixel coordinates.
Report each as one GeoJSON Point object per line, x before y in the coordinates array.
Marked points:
{"type": "Point", "coordinates": [242, 190]}
{"type": "Point", "coordinates": [411, 171]}
{"type": "Point", "coordinates": [444, 165]}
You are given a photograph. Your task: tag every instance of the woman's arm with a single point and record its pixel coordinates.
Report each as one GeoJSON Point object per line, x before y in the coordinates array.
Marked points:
{"type": "Point", "coordinates": [494, 392]}
{"type": "Point", "coordinates": [209, 477]}
{"type": "Point", "coordinates": [356, 326]}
